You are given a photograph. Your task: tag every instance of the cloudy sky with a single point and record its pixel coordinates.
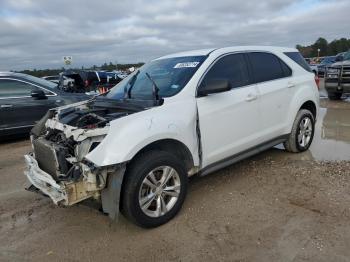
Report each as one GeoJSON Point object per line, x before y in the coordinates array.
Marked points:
{"type": "Point", "coordinates": [37, 33]}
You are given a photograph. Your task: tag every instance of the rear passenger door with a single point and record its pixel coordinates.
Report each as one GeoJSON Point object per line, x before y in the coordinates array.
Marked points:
{"type": "Point", "coordinates": [229, 121]}
{"type": "Point", "coordinates": [275, 85]}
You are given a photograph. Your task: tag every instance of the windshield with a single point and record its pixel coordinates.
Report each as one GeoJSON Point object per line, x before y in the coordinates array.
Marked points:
{"type": "Point", "coordinates": [41, 81]}
{"type": "Point", "coordinates": [170, 76]}
{"type": "Point", "coordinates": [347, 56]}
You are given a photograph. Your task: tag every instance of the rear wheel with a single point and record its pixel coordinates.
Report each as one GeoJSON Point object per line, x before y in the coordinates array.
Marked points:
{"type": "Point", "coordinates": [334, 95]}
{"type": "Point", "coordinates": [155, 189]}
{"type": "Point", "coordinates": [302, 132]}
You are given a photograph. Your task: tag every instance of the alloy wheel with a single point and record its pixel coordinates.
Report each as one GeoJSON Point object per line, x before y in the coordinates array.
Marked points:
{"type": "Point", "coordinates": [305, 132]}
{"type": "Point", "coordinates": [159, 191]}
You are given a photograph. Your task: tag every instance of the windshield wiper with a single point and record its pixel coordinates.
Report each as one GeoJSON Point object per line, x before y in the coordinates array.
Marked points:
{"type": "Point", "coordinates": [155, 89]}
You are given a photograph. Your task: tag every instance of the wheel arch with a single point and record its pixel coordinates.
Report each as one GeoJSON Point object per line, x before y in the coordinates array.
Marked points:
{"type": "Point", "coordinates": [112, 196]}
{"type": "Point", "coordinates": [311, 106]}
{"type": "Point", "coordinates": [310, 103]}
{"type": "Point", "coordinates": [173, 146]}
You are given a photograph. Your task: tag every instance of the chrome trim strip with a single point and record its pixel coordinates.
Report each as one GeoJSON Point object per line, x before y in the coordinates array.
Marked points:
{"type": "Point", "coordinates": [8, 128]}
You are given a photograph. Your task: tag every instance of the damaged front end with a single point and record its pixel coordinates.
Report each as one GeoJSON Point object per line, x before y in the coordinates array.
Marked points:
{"type": "Point", "coordinates": [60, 142]}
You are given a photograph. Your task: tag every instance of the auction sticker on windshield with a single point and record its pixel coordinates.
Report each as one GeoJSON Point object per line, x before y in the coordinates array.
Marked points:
{"type": "Point", "coordinates": [186, 64]}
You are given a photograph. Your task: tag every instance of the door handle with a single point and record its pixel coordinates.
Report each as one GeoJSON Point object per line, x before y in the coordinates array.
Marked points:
{"type": "Point", "coordinates": [251, 97]}
{"type": "Point", "coordinates": [6, 106]}
{"type": "Point", "coordinates": [290, 84]}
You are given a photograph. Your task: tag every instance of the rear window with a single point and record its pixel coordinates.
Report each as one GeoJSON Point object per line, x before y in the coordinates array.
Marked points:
{"type": "Point", "coordinates": [347, 56]}
{"type": "Point", "coordinates": [299, 59]}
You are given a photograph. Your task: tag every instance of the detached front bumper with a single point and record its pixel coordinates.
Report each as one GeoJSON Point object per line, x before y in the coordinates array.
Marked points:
{"type": "Point", "coordinates": [44, 182]}
{"type": "Point", "coordinates": [68, 193]}
{"type": "Point", "coordinates": [64, 193]}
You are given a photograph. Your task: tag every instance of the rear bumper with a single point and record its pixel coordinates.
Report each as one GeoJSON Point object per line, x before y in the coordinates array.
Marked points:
{"type": "Point", "coordinates": [337, 87]}
{"type": "Point", "coordinates": [44, 182]}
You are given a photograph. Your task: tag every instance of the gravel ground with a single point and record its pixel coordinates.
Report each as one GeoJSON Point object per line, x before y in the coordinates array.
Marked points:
{"type": "Point", "coordinates": [275, 206]}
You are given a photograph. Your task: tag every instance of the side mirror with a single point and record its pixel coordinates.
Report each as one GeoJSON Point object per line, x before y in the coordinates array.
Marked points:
{"type": "Point", "coordinates": [38, 94]}
{"type": "Point", "coordinates": [213, 86]}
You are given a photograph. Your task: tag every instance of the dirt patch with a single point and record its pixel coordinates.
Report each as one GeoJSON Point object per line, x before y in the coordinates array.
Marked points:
{"type": "Point", "coordinates": [275, 206]}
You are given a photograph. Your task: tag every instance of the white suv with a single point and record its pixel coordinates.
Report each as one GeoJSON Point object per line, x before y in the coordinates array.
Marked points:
{"type": "Point", "coordinates": [179, 115]}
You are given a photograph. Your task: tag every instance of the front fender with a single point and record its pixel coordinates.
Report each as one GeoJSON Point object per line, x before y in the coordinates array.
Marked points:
{"type": "Point", "coordinates": [128, 135]}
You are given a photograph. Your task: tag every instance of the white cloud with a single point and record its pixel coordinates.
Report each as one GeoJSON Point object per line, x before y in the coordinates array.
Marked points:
{"type": "Point", "coordinates": [37, 33]}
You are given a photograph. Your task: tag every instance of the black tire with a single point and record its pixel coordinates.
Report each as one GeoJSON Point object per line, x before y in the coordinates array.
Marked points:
{"type": "Point", "coordinates": [292, 144]}
{"type": "Point", "coordinates": [334, 95]}
{"type": "Point", "coordinates": [136, 172]}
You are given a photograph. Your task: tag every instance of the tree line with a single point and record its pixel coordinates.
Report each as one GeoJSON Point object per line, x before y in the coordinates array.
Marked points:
{"type": "Point", "coordinates": [104, 67]}
{"type": "Point", "coordinates": [326, 48]}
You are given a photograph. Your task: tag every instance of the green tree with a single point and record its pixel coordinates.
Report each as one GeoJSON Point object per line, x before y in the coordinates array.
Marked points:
{"type": "Point", "coordinates": [320, 44]}
{"type": "Point", "coordinates": [326, 49]}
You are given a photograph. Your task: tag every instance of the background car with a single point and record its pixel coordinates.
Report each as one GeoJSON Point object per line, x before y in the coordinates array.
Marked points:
{"type": "Point", "coordinates": [337, 77]}
{"type": "Point", "coordinates": [340, 57]}
{"type": "Point", "coordinates": [91, 81]}
{"type": "Point", "coordinates": [327, 61]}
{"type": "Point", "coordinates": [67, 82]}
{"type": "Point", "coordinates": [24, 99]}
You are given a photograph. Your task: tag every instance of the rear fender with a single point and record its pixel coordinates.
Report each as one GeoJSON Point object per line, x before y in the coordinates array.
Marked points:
{"type": "Point", "coordinates": [303, 94]}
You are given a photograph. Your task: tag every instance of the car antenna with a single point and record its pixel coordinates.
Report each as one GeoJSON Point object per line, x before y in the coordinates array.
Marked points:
{"type": "Point", "coordinates": [155, 89]}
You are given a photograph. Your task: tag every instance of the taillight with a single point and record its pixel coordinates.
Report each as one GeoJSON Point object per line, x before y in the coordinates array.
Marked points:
{"type": "Point", "coordinates": [317, 80]}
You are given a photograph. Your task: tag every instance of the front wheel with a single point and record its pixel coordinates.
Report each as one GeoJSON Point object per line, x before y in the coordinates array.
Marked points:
{"type": "Point", "coordinates": [302, 133]}
{"type": "Point", "coordinates": [154, 189]}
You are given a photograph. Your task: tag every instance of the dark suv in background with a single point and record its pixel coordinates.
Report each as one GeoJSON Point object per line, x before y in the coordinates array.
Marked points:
{"type": "Point", "coordinates": [327, 61]}
{"type": "Point", "coordinates": [337, 78]}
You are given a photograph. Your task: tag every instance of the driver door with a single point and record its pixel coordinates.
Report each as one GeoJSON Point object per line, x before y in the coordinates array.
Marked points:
{"type": "Point", "coordinates": [230, 122]}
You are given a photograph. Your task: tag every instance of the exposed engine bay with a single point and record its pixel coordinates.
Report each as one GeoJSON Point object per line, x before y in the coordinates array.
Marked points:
{"type": "Point", "coordinates": [97, 113]}
{"type": "Point", "coordinates": [60, 142]}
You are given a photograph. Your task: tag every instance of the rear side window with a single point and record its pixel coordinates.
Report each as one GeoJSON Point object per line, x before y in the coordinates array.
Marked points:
{"type": "Point", "coordinates": [299, 59]}
{"type": "Point", "coordinates": [266, 67]}
{"type": "Point", "coordinates": [286, 70]}
{"type": "Point", "coordinates": [231, 67]}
